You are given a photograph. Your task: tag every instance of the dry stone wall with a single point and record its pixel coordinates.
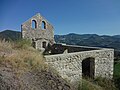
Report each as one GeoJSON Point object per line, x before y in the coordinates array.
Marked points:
{"type": "Point", "coordinates": [69, 65]}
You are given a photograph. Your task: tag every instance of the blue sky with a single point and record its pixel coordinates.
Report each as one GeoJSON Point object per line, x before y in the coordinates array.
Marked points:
{"type": "Point", "coordinates": [67, 16]}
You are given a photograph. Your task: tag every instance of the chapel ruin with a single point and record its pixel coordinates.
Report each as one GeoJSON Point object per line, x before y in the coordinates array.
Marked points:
{"type": "Point", "coordinates": [72, 62]}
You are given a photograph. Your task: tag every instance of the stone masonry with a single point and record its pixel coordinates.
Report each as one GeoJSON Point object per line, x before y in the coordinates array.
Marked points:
{"type": "Point", "coordinates": [71, 62]}
{"type": "Point", "coordinates": [39, 36]}
{"type": "Point", "coordinates": [69, 65]}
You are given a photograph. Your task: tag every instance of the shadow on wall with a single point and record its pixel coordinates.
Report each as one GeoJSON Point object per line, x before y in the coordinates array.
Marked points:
{"type": "Point", "coordinates": [61, 49]}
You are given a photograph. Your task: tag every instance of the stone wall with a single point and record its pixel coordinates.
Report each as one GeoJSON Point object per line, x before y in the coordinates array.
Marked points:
{"type": "Point", "coordinates": [59, 48]}
{"type": "Point", "coordinates": [69, 65]}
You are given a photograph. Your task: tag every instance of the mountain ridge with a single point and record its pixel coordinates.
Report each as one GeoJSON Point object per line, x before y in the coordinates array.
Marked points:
{"type": "Point", "coordinates": [10, 35]}
{"type": "Point", "coordinates": [105, 41]}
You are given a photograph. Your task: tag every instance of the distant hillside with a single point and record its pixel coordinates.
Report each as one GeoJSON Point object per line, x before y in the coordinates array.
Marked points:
{"type": "Point", "coordinates": [10, 35]}
{"type": "Point", "coordinates": [74, 39]}
{"type": "Point", "coordinates": [90, 40]}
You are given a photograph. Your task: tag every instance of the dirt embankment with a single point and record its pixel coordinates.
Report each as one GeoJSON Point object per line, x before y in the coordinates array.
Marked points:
{"type": "Point", "coordinates": [11, 79]}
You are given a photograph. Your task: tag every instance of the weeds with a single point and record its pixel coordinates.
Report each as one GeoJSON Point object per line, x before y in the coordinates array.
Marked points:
{"type": "Point", "coordinates": [22, 44]}
{"type": "Point", "coordinates": [107, 84]}
{"type": "Point", "coordinates": [87, 85]}
{"type": "Point", "coordinates": [98, 83]}
{"type": "Point", "coordinates": [21, 55]}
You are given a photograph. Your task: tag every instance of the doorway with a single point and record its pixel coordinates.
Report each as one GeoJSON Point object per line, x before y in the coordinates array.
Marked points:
{"type": "Point", "coordinates": [88, 67]}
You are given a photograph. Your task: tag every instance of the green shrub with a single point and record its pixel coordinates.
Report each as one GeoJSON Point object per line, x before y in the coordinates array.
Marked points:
{"type": "Point", "coordinates": [98, 83]}
{"type": "Point", "coordinates": [107, 84]}
{"type": "Point", "coordinates": [117, 74]}
{"type": "Point", "coordinates": [88, 85]}
{"type": "Point", "coordinates": [22, 44]}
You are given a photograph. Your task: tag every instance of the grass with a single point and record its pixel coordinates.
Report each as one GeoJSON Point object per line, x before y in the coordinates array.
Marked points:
{"type": "Point", "coordinates": [117, 69]}
{"type": "Point", "coordinates": [87, 85]}
{"type": "Point", "coordinates": [21, 55]}
{"type": "Point", "coordinates": [117, 74]}
{"type": "Point", "coordinates": [105, 83]}
{"type": "Point", "coordinates": [98, 83]}
{"type": "Point", "coordinates": [21, 59]}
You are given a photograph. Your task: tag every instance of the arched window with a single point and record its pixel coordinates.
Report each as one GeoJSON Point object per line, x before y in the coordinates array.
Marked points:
{"type": "Point", "coordinates": [43, 25]}
{"type": "Point", "coordinates": [34, 24]}
{"type": "Point", "coordinates": [88, 67]}
{"type": "Point", "coordinates": [44, 44]}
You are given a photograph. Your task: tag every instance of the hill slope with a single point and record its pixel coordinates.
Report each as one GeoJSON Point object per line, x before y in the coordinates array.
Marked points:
{"type": "Point", "coordinates": [90, 40]}
{"type": "Point", "coordinates": [23, 68]}
{"type": "Point", "coordinates": [10, 35]}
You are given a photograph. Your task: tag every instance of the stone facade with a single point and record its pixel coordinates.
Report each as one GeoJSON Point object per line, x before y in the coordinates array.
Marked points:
{"type": "Point", "coordinates": [39, 31]}
{"type": "Point", "coordinates": [72, 62]}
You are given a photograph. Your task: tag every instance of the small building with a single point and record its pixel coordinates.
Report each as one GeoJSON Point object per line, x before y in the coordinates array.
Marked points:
{"type": "Point", "coordinates": [39, 31]}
